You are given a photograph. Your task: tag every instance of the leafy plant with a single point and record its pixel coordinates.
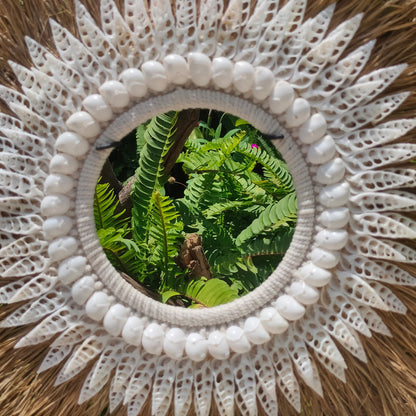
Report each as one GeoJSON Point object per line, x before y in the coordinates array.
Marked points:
{"type": "Point", "coordinates": [222, 234]}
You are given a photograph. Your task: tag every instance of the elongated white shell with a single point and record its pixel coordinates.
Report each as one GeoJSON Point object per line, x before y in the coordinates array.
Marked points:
{"type": "Point", "coordinates": [177, 69]}
{"type": "Point", "coordinates": [313, 275]}
{"type": "Point", "coordinates": [115, 94]}
{"type": "Point", "coordinates": [273, 321]}
{"type": "Point", "coordinates": [54, 205]}
{"type": "Point", "coordinates": [59, 184]}
{"type": "Point", "coordinates": [132, 331]}
{"type": "Point", "coordinates": [255, 331]}
{"type": "Point", "coordinates": [97, 305]}
{"type": "Point", "coordinates": [237, 339]}
{"type": "Point", "coordinates": [243, 76]}
{"type": "Point", "coordinates": [282, 97]}
{"type": "Point", "coordinates": [218, 346]}
{"type": "Point", "coordinates": [304, 293]}
{"type": "Point", "coordinates": [324, 258]}
{"type": "Point", "coordinates": [313, 129]}
{"type": "Point", "coordinates": [196, 347]}
{"type": "Point", "coordinates": [152, 339]}
{"type": "Point", "coordinates": [133, 80]}
{"type": "Point", "coordinates": [155, 75]}
{"type": "Point", "coordinates": [333, 196]}
{"type": "Point", "coordinates": [98, 107]}
{"type": "Point", "coordinates": [331, 172]}
{"type": "Point", "coordinates": [297, 113]}
{"type": "Point", "coordinates": [263, 83]}
{"type": "Point", "coordinates": [115, 318]}
{"type": "Point", "coordinates": [322, 151]}
{"type": "Point", "coordinates": [57, 226]}
{"type": "Point", "coordinates": [72, 269]}
{"type": "Point", "coordinates": [83, 124]}
{"type": "Point", "coordinates": [174, 343]}
{"type": "Point", "coordinates": [289, 307]}
{"type": "Point", "coordinates": [335, 218]}
{"type": "Point", "coordinates": [62, 247]}
{"type": "Point", "coordinates": [64, 164]}
{"type": "Point", "coordinates": [73, 144]}
{"type": "Point", "coordinates": [200, 70]}
{"type": "Point", "coordinates": [83, 289]}
{"type": "Point", "coordinates": [332, 239]}
{"type": "Point", "coordinates": [222, 72]}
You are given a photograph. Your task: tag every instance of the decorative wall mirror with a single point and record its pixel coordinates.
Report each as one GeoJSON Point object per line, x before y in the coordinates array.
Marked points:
{"type": "Point", "coordinates": [338, 106]}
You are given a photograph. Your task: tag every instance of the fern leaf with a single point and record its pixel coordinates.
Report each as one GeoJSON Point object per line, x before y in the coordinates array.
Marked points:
{"type": "Point", "coordinates": [158, 137]}
{"type": "Point", "coordinates": [274, 168]}
{"type": "Point", "coordinates": [165, 233]}
{"type": "Point", "coordinates": [218, 208]}
{"type": "Point", "coordinates": [105, 208]}
{"type": "Point", "coordinates": [211, 292]}
{"type": "Point", "coordinates": [281, 213]}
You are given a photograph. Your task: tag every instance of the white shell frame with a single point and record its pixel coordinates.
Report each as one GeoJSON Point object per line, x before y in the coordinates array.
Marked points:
{"type": "Point", "coordinates": [74, 105]}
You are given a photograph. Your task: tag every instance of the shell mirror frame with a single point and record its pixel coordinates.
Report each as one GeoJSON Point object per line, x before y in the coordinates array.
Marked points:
{"type": "Point", "coordinates": [351, 206]}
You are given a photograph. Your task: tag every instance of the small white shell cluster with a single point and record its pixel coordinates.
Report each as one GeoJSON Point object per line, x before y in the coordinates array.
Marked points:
{"type": "Point", "coordinates": [328, 111]}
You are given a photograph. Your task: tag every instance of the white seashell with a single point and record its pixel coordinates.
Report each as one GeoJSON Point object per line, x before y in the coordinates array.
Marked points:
{"type": "Point", "coordinates": [62, 247]}
{"type": "Point", "coordinates": [331, 172]}
{"type": "Point", "coordinates": [289, 307]}
{"type": "Point", "coordinates": [132, 331]}
{"type": "Point", "coordinates": [334, 196]}
{"type": "Point", "coordinates": [72, 269]}
{"type": "Point", "coordinates": [324, 258]}
{"type": "Point", "coordinates": [82, 289]}
{"type": "Point", "coordinates": [263, 83]}
{"type": "Point", "coordinates": [174, 343]}
{"type": "Point", "coordinates": [155, 75]}
{"type": "Point", "coordinates": [222, 72]}
{"type": "Point", "coordinates": [282, 97]}
{"type": "Point", "coordinates": [115, 318]}
{"type": "Point", "coordinates": [84, 124]}
{"type": "Point", "coordinates": [115, 94]}
{"type": "Point", "coordinates": [297, 113]}
{"type": "Point", "coordinates": [313, 129]}
{"type": "Point", "coordinates": [335, 218]}
{"type": "Point", "coordinates": [237, 339]}
{"type": "Point", "coordinates": [273, 321]}
{"type": "Point", "coordinates": [152, 339]}
{"type": "Point", "coordinates": [72, 144]}
{"type": "Point", "coordinates": [56, 183]}
{"type": "Point", "coordinates": [200, 69]}
{"type": "Point", "coordinates": [196, 347]}
{"type": "Point", "coordinates": [97, 305]}
{"type": "Point", "coordinates": [218, 346]}
{"type": "Point", "coordinates": [243, 76]}
{"type": "Point", "coordinates": [177, 69]}
{"type": "Point", "coordinates": [64, 164]}
{"type": "Point", "coordinates": [98, 108]}
{"type": "Point", "coordinates": [255, 331]}
{"type": "Point", "coordinates": [303, 293]}
{"type": "Point", "coordinates": [57, 226]}
{"type": "Point", "coordinates": [133, 80]}
{"type": "Point", "coordinates": [313, 275]}
{"type": "Point", "coordinates": [332, 239]}
{"type": "Point", "coordinates": [322, 151]}
{"type": "Point", "coordinates": [53, 205]}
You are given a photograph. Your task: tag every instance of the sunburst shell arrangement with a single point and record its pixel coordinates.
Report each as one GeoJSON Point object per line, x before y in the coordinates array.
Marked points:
{"type": "Point", "coordinates": [282, 73]}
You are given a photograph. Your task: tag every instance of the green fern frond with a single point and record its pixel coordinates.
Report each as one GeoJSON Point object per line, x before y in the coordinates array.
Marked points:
{"type": "Point", "coordinates": [219, 207]}
{"type": "Point", "coordinates": [283, 213]}
{"type": "Point", "coordinates": [165, 233]}
{"type": "Point", "coordinates": [105, 208]}
{"type": "Point", "coordinates": [277, 170]}
{"type": "Point", "coordinates": [211, 292]}
{"type": "Point", "coordinates": [158, 137]}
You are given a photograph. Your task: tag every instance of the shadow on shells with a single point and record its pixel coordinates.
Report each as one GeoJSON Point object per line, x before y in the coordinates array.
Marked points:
{"type": "Point", "coordinates": [330, 321]}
